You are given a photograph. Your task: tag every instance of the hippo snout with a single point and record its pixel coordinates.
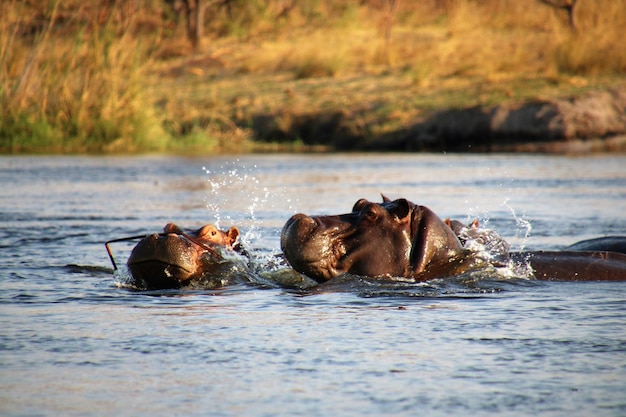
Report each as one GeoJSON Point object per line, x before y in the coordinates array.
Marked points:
{"type": "Point", "coordinates": [297, 236]}
{"type": "Point", "coordinates": [163, 261]}
{"type": "Point", "coordinates": [307, 244]}
{"type": "Point", "coordinates": [298, 228]}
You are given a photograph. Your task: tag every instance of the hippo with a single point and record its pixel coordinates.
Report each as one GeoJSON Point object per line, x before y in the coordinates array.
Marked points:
{"type": "Point", "coordinates": [403, 239]}
{"type": "Point", "coordinates": [173, 259]}
{"type": "Point", "coordinates": [608, 244]}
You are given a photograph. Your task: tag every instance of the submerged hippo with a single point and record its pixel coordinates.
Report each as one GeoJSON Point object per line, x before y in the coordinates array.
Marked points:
{"type": "Point", "coordinates": [174, 258]}
{"type": "Point", "coordinates": [608, 243]}
{"type": "Point", "coordinates": [402, 239]}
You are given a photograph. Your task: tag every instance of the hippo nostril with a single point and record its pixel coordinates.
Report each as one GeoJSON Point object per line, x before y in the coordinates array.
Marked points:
{"type": "Point", "coordinates": [303, 224]}
{"type": "Point", "coordinates": [299, 217]}
{"type": "Point", "coordinates": [298, 228]}
{"type": "Point", "coordinates": [309, 221]}
{"type": "Point", "coordinates": [295, 222]}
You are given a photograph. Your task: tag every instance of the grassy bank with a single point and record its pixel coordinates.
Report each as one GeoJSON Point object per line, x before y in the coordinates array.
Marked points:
{"type": "Point", "coordinates": [123, 77]}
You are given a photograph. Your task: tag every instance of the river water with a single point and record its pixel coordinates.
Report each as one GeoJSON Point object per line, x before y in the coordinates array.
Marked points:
{"type": "Point", "coordinates": [74, 341]}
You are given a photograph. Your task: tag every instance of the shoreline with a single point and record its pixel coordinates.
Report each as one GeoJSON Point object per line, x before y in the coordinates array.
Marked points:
{"type": "Point", "coordinates": [457, 76]}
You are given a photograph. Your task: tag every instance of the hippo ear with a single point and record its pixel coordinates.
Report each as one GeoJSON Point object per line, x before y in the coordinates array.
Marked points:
{"type": "Point", "coordinates": [403, 209]}
{"type": "Point", "coordinates": [433, 242]}
{"type": "Point", "coordinates": [456, 226]}
{"type": "Point", "coordinates": [233, 234]}
{"type": "Point", "coordinates": [385, 198]}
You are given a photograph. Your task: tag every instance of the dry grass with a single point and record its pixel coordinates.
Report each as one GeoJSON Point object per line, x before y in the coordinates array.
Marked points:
{"type": "Point", "coordinates": [597, 48]}
{"type": "Point", "coordinates": [490, 39]}
{"type": "Point", "coordinates": [75, 78]}
{"type": "Point", "coordinates": [81, 91]}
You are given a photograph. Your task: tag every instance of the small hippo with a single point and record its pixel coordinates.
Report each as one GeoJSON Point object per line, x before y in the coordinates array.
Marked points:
{"type": "Point", "coordinates": [173, 259]}
{"type": "Point", "coordinates": [474, 237]}
{"type": "Point", "coordinates": [402, 239]}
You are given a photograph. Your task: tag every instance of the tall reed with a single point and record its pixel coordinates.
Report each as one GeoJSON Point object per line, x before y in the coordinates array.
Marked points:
{"type": "Point", "coordinates": [76, 87]}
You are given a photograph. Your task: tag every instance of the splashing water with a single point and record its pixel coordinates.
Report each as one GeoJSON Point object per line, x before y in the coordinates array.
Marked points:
{"type": "Point", "coordinates": [523, 225]}
{"type": "Point", "coordinates": [232, 183]}
{"type": "Point", "coordinates": [237, 197]}
{"type": "Point", "coordinates": [485, 242]}
{"type": "Point", "coordinates": [235, 188]}
{"type": "Point", "coordinates": [488, 245]}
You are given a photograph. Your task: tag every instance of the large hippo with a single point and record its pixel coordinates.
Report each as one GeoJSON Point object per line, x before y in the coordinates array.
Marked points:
{"type": "Point", "coordinates": [402, 239]}
{"type": "Point", "coordinates": [174, 258]}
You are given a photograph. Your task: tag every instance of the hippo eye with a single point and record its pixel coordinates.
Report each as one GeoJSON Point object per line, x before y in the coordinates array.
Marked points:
{"type": "Point", "coordinates": [207, 230]}
{"type": "Point", "coordinates": [371, 215]}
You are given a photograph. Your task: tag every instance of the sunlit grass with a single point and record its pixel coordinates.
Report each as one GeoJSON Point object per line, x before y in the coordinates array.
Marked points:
{"type": "Point", "coordinates": [80, 92]}
{"type": "Point", "coordinates": [597, 48]}
{"type": "Point", "coordinates": [123, 79]}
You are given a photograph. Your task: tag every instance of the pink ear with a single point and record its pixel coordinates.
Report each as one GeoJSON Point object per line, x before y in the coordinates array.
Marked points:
{"type": "Point", "coordinates": [455, 225]}
{"type": "Point", "coordinates": [385, 198]}
{"type": "Point", "coordinates": [233, 233]}
{"type": "Point", "coordinates": [172, 228]}
{"type": "Point", "coordinates": [433, 242]}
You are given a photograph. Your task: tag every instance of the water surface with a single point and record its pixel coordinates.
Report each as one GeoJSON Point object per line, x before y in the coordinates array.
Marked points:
{"type": "Point", "coordinates": [73, 342]}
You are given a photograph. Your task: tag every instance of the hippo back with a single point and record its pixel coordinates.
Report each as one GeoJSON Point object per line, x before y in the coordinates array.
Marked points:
{"type": "Point", "coordinates": [607, 244]}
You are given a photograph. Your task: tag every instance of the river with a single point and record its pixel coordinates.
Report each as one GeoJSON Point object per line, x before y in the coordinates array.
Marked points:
{"type": "Point", "coordinates": [75, 342]}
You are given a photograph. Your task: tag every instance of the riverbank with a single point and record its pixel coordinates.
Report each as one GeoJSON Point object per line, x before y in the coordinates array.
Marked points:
{"type": "Point", "coordinates": [265, 76]}
{"type": "Point", "coordinates": [390, 112]}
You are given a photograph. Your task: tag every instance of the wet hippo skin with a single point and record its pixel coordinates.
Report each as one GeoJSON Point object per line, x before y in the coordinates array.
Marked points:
{"type": "Point", "coordinates": [403, 239]}
{"type": "Point", "coordinates": [173, 258]}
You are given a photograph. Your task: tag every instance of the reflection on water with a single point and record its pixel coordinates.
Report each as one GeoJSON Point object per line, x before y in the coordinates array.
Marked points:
{"type": "Point", "coordinates": [74, 343]}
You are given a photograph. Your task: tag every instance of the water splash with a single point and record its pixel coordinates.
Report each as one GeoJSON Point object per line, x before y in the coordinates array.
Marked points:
{"type": "Point", "coordinates": [122, 278]}
{"type": "Point", "coordinates": [235, 193]}
{"type": "Point", "coordinates": [483, 241]}
{"type": "Point", "coordinates": [237, 196]}
{"type": "Point", "coordinates": [523, 225]}
{"type": "Point", "coordinates": [486, 244]}
{"type": "Point", "coordinates": [226, 186]}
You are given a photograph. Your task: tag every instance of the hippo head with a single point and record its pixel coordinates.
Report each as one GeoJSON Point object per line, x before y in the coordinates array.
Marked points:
{"type": "Point", "coordinates": [393, 238]}
{"type": "Point", "coordinates": [173, 258]}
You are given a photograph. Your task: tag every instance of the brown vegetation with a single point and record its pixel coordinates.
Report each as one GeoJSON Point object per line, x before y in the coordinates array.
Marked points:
{"type": "Point", "coordinates": [124, 76]}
